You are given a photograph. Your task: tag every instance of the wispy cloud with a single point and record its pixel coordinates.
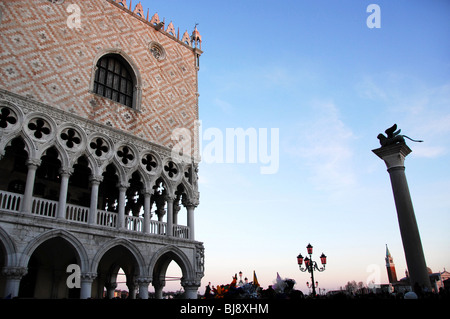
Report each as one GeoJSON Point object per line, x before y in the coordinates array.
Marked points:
{"type": "Point", "coordinates": [422, 111]}
{"type": "Point", "coordinates": [224, 106]}
{"type": "Point", "coordinates": [323, 143]}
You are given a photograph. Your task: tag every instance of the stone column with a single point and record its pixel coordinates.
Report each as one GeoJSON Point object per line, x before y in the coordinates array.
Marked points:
{"type": "Point", "coordinates": [29, 186]}
{"type": "Point", "coordinates": [394, 158]}
{"type": "Point", "coordinates": [131, 289]}
{"type": "Point", "coordinates": [121, 210]}
{"type": "Point", "coordinates": [65, 175]}
{"type": "Point", "coordinates": [159, 285]}
{"type": "Point", "coordinates": [13, 276]}
{"type": "Point", "coordinates": [143, 283]}
{"type": "Point", "coordinates": [190, 289]}
{"type": "Point", "coordinates": [190, 207]}
{"type": "Point", "coordinates": [95, 183]}
{"type": "Point", "coordinates": [110, 288]}
{"type": "Point", "coordinates": [147, 212]}
{"type": "Point", "coordinates": [176, 209]}
{"type": "Point", "coordinates": [86, 284]}
{"type": "Point", "coordinates": [169, 199]}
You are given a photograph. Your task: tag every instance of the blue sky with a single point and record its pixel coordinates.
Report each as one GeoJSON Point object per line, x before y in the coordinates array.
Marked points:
{"type": "Point", "coordinates": [330, 84]}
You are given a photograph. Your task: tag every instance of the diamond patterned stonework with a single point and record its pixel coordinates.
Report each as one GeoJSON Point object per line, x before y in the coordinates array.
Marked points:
{"type": "Point", "coordinates": [47, 60]}
{"type": "Point", "coordinates": [90, 93]}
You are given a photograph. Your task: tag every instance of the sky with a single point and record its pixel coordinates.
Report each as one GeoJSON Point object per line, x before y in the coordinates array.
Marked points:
{"type": "Point", "coordinates": [325, 84]}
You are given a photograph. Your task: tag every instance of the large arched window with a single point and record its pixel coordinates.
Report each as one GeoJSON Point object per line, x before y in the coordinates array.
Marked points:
{"type": "Point", "coordinates": [115, 79]}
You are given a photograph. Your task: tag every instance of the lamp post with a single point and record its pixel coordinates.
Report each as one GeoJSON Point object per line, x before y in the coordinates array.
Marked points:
{"type": "Point", "coordinates": [310, 266]}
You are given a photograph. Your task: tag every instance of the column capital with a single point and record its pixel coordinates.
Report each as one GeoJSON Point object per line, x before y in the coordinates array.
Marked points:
{"type": "Point", "coordinates": [34, 162]}
{"type": "Point", "coordinates": [144, 280]}
{"type": "Point", "coordinates": [192, 283]}
{"type": "Point", "coordinates": [96, 179]}
{"type": "Point", "coordinates": [145, 191]}
{"type": "Point", "coordinates": [123, 185]}
{"type": "Point", "coordinates": [88, 276]}
{"type": "Point", "coordinates": [66, 171]}
{"type": "Point", "coordinates": [192, 203]}
{"type": "Point", "coordinates": [393, 155]}
{"type": "Point", "coordinates": [14, 272]}
{"type": "Point", "coordinates": [169, 197]}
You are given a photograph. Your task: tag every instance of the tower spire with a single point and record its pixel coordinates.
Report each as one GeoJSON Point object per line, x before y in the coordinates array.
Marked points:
{"type": "Point", "coordinates": [390, 267]}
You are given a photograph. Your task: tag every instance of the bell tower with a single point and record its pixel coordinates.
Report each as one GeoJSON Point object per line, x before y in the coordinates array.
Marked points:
{"type": "Point", "coordinates": [390, 267]}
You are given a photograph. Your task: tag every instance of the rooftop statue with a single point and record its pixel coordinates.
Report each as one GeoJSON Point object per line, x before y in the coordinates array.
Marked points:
{"type": "Point", "coordinates": [393, 137]}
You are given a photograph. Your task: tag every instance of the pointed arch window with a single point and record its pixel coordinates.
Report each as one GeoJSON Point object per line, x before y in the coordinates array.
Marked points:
{"type": "Point", "coordinates": [115, 79]}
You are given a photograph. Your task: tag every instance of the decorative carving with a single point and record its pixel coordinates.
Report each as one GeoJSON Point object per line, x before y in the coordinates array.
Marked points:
{"type": "Point", "coordinates": [171, 169]}
{"type": "Point", "coordinates": [171, 29]}
{"type": "Point", "coordinates": [123, 2]}
{"type": "Point", "coordinates": [157, 51]}
{"type": "Point", "coordinates": [188, 173]}
{"type": "Point", "coordinates": [149, 162]}
{"type": "Point", "coordinates": [186, 38]}
{"type": "Point", "coordinates": [196, 38]}
{"type": "Point", "coordinates": [40, 127]}
{"type": "Point", "coordinates": [125, 154]}
{"type": "Point", "coordinates": [199, 259]}
{"type": "Point", "coordinates": [14, 272]}
{"type": "Point", "coordinates": [155, 19]}
{"type": "Point", "coordinates": [139, 10]}
{"type": "Point", "coordinates": [393, 137]}
{"type": "Point", "coordinates": [99, 146]}
{"type": "Point", "coordinates": [7, 116]}
{"type": "Point", "coordinates": [71, 137]}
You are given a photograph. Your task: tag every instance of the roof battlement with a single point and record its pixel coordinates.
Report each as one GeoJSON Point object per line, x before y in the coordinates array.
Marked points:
{"type": "Point", "coordinates": [194, 41]}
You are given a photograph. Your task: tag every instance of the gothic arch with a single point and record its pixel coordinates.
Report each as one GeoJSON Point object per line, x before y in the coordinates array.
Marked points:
{"type": "Point", "coordinates": [71, 239]}
{"type": "Point", "coordinates": [62, 154]}
{"type": "Point", "coordinates": [163, 257]}
{"type": "Point", "coordinates": [170, 190]}
{"type": "Point", "coordinates": [127, 245]}
{"type": "Point", "coordinates": [30, 148]}
{"type": "Point", "coordinates": [9, 248]}
{"type": "Point", "coordinates": [187, 190]}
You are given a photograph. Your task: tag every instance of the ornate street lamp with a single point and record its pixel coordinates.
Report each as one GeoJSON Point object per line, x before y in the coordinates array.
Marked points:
{"type": "Point", "coordinates": [310, 266]}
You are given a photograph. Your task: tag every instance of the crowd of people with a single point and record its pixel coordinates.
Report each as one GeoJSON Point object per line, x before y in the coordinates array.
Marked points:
{"type": "Point", "coordinates": [284, 289]}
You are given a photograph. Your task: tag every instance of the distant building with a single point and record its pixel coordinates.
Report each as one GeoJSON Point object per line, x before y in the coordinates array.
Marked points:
{"type": "Point", "coordinates": [437, 280]}
{"type": "Point", "coordinates": [390, 267]}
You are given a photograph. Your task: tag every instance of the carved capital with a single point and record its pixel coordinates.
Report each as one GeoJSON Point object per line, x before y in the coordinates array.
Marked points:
{"type": "Point", "coordinates": [393, 155]}
{"type": "Point", "coordinates": [191, 283]}
{"type": "Point", "coordinates": [144, 280]}
{"type": "Point", "coordinates": [169, 198]}
{"type": "Point", "coordinates": [66, 171]}
{"type": "Point", "coordinates": [96, 179]}
{"type": "Point", "coordinates": [88, 276]}
{"type": "Point", "coordinates": [14, 272]}
{"type": "Point", "coordinates": [33, 162]}
{"type": "Point", "coordinates": [123, 186]}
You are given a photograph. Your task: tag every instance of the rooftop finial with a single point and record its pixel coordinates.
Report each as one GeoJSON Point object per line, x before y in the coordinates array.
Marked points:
{"type": "Point", "coordinates": [196, 37]}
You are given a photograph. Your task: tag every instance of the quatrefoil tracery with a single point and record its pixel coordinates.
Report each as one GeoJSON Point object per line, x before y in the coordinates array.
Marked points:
{"type": "Point", "coordinates": [71, 137]}
{"type": "Point", "coordinates": [171, 169]}
{"type": "Point", "coordinates": [125, 154]}
{"type": "Point", "coordinates": [40, 128]}
{"type": "Point", "coordinates": [7, 117]}
{"type": "Point", "coordinates": [99, 146]}
{"type": "Point", "coordinates": [150, 162]}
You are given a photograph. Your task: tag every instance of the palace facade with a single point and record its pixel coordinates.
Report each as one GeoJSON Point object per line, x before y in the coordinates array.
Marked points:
{"type": "Point", "coordinates": [96, 98]}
